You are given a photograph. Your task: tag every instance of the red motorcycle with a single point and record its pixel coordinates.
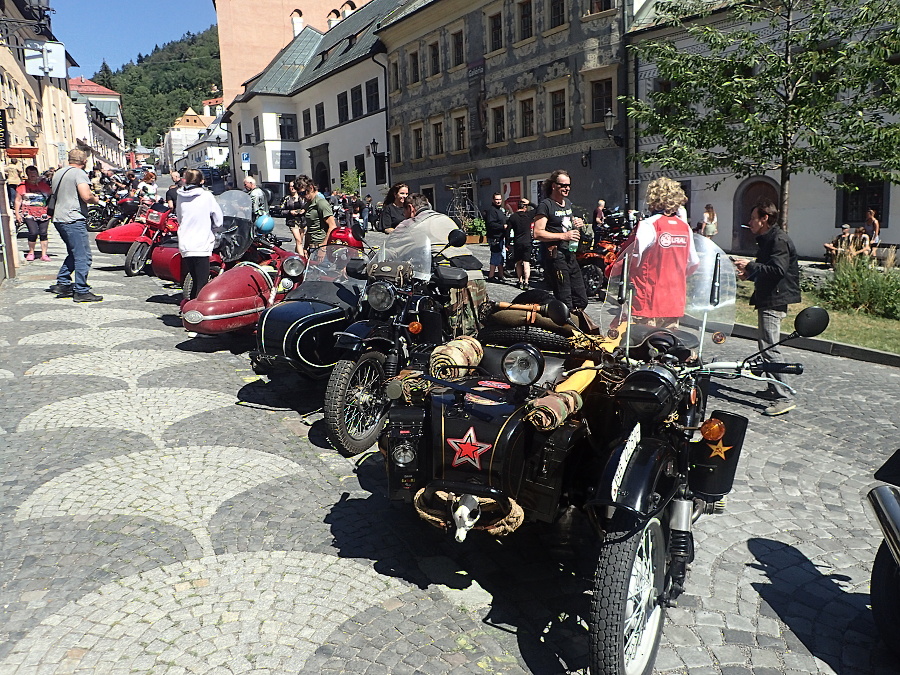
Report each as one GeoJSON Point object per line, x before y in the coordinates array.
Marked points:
{"type": "Point", "coordinates": [596, 257]}
{"type": "Point", "coordinates": [159, 224]}
{"type": "Point", "coordinates": [123, 228]}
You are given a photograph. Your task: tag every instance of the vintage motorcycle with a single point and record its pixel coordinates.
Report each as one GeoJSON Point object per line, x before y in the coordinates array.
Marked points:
{"type": "Point", "coordinates": [239, 241]}
{"type": "Point", "coordinates": [885, 584]}
{"type": "Point", "coordinates": [298, 332]}
{"type": "Point", "coordinates": [614, 428]}
{"type": "Point", "coordinates": [402, 319]}
{"type": "Point", "coordinates": [123, 228]}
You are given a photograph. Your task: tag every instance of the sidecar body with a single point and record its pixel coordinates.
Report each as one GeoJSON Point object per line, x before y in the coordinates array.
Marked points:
{"type": "Point", "coordinates": [119, 239]}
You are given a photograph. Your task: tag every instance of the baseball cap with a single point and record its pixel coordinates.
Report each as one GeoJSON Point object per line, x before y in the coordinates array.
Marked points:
{"type": "Point", "coordinates": [845, 226]}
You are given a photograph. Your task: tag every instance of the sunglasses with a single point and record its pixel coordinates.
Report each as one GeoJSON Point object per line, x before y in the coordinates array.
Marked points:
{"type": "Point", "coordinates": [563, 186]}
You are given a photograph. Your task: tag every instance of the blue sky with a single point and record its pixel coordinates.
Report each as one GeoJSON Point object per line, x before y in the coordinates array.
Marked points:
{"type": "Point", "coordinates": [117, 30]}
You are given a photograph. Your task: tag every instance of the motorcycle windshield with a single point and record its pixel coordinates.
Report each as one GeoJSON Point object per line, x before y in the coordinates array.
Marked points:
{"type": "Point", "coordinates": [682, 282]}
{"type": "Point", "coordinates": [237, 224]}
{"type": "Point", "coordinates": [410, 244]}
{"type": "Point", "coordinates": [329, 263]}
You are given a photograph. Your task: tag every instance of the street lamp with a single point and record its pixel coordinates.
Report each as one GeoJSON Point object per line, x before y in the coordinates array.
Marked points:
{"type": "Point", "coordinates": [609, 124]}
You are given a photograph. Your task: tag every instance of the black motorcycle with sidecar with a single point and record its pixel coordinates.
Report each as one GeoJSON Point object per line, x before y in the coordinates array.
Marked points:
{"type": "Point", "coordinates": [614, 427]}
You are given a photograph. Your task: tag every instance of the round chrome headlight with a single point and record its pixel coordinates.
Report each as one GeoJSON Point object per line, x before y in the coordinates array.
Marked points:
{"type": "Point", "coordinates": [403, 453]}
{"type": "Point", "coordinates": [285, 285]}
{"type": "Point", "coordinates": [293, 266]}
{"type": "Point", "coordinates": [380, 296]}
{"type": "Point", "coordinates": [522, 364]}
{"type": "Point", "coordinates": [193, 316]}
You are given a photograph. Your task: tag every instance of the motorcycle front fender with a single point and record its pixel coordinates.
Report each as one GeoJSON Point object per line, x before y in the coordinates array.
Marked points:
{"type": "Point", "coordinates": [885, 503]}
{"type": "Point", "coordinates": [144, 239]}
{"type": "Point", "coordinates": [363, 335]}
{"type": "Point", "coordinates": [639, 476]}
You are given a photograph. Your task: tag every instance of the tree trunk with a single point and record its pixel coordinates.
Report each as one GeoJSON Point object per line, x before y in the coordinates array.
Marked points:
{"type": "Point", "coordinates": [785, 196]}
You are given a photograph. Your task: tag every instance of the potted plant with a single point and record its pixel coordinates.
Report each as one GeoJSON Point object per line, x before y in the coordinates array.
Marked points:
{"type": "Point", "coordinates": [476, 229]}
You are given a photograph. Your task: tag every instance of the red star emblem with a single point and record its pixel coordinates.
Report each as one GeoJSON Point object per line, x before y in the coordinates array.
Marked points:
{"type": "Point", "coordinates": [468, 449]}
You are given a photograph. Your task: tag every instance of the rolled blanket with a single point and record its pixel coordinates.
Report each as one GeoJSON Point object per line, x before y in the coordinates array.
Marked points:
{"type": "Point", "coordinates": [408, 386]}
{"type": "Point", "coordinates": [550, 410]}
{"type": "Point", "coordinates": [464, 351]}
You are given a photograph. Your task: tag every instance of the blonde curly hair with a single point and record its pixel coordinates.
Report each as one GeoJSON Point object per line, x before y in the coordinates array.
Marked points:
{"type": "Point", "coordinates": [665, 195]}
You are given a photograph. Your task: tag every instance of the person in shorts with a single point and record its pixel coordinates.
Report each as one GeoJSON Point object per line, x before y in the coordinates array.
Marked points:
{"type": "Point", "coordinates": [519, 224]}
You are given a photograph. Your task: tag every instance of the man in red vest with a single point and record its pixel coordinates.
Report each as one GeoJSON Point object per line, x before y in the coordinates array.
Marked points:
{"type": "Point", "coordinates": [663, 257]}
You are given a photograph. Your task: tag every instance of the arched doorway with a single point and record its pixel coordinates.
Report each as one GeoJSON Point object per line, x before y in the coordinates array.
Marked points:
{"type": "Point", "coordinates": [745, 197]}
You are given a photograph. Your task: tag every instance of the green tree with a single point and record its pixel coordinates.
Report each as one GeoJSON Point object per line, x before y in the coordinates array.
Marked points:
{"type": "Point", "coordinates": [104, 76]}
{"type": "Point", "coordinates": [794, 86]}
{"type": "Point", "coordinates": [351, 181]}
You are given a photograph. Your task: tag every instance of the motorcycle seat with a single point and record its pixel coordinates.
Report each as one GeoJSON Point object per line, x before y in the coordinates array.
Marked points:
{"type": "Point", "coordinates": [491, 364]}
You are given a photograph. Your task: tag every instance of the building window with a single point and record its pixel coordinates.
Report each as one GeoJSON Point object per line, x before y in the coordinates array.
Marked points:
{"type": "Point", "coordinates": [459, 127]}
{"type": "Point", "coordinates": [557, 13]}
{"type": "Point", "coordinates": [601, 99]}
{"type": "Point", "coordinates": [526, 116]}
{"type": "Point", "coordinates": [459, 52]}
{"type": "Point", "coordinates": [320, 116]}
{"type": "Point", "coordinates": [359, 163]}
{"type": "Point", "coordinates": [373, 101]}
{"type": "Point", "coordinates": [343, 108]}
{"type": "Point", "coordinates": [663, 87]}
{"type": "Point", "coordinates": [356, 101]}
{"type": "Point", "coordinates": [597, 6]}
{"type": "Point", "coordinates": [868, 195]}
{"type": "Point", "coordinates": [395, 76]}
{"type": "Point", "coordinates": [287, 127]}
{"type": "Point", "coordinates": [495, 32]}
{"type": "Point", "coordinates": [434, 58]}
{"type": "Point", "coordinates": [414, 74]}
{"type": "Point", "coordinates": [342, 168]}
{"type": "Point", "coordinates": [307, 123]}
{"type": "Point", "coordinates": [437, 137]}
{"type": "Point", "coordinates": [240, 135]}
{"type": "Point", "coordinates": [418, 145]}
{"type": "Point", "coordinates": [557, 109]}
{"type": "Point", "coordinates": [526, 20]}
{"type": "Point", "coordinates": [498, 124]}
{"type": "Point", "coordinates": [256, 135]}
{"type": "Point", "coordinates": [396, 155]}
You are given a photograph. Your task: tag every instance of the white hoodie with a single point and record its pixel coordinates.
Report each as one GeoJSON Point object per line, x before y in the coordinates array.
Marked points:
{"type": "Point", "coordinates": [199, 218]}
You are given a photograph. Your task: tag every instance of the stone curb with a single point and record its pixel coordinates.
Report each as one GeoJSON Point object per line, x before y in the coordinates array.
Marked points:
{"type": "Point", "coordinates": [828, 347]}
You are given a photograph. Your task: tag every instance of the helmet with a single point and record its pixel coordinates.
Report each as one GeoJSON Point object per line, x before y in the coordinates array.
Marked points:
{"type": "Point", "coordinates": [265, 224]}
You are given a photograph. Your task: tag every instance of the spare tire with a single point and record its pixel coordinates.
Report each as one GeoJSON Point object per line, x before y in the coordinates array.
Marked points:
{"type": "Point", "coordinates": [539, 337]}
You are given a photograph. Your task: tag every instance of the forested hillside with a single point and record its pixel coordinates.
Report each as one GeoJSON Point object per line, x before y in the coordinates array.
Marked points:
{"type": "Point", "coordinates": [157, 87]}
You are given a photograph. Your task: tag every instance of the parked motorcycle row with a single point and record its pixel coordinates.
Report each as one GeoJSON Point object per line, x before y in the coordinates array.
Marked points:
{"type": "Point", "coordinates": [533, 418]}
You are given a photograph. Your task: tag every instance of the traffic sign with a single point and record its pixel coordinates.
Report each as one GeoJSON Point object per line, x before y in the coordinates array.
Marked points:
{"type": "Point", "coordinates": [45, 59]}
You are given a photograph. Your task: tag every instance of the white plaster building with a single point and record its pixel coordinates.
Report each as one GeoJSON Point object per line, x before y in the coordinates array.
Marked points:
{"type": "Point", "coordinates": [316, 108]}
{"type": "Point", "coordinates": [183, 133]}
{"type": "Point", "coordinates": [99, 124]}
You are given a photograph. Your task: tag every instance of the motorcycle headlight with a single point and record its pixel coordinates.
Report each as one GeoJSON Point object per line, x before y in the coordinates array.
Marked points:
{"type": "Point", "coordinates": [649, 394]}
{"type": "Point", "coordinates": [285, 285]}
{"type": "Point", "coordinates": [403, 453]}
{"type": "Point", "coordinates": [380, 296]}
{"type": "Point", "coordinates": [293, 266]}
{"type": "Point", "coordinates": [522, 364]}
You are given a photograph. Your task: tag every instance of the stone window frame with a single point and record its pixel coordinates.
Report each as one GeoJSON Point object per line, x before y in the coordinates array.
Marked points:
{"type": "Point", "coordinates": [499, 103]}
{"type": "Point", "coordinates": [413, 128]}
{"type": "Point", "coordinates": [488, 14]}
{"type": "Point", "coordinates": [433, 145]}
{"type": "Point", "coordinates": [455, 116]}
{"type": "Point", "coordinates": [521, 96]}
{"type": "Point", "coordinates": [609, 72]}
{"type": "Point", "coordinates": [550, 88]}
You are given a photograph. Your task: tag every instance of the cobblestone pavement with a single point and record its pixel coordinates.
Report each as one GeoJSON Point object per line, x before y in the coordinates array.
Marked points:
{"type": "Point", "coordinates": [163, 510]}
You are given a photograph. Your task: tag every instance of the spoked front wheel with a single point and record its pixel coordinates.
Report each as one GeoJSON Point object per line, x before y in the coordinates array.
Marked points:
{"type": "Point", "coordinates": [136, 258]}
{"type": "Point", "coordinates": [355, 404]}
{"type": "Point", "coordinates": [627, 614]}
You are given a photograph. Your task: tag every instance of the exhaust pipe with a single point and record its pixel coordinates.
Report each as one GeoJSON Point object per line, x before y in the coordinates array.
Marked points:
{"type": "Point", "coordinates": [885, 502]}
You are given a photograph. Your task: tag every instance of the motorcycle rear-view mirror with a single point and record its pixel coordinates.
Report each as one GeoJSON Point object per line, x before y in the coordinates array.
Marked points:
{"type": "Point", "coordinates": [356, 268]}
{"type": "Point", "coordinates": [358, 233]}
{"type": "Point", "coordinates": [811, 321]}
{"type": "Point", "coordinates": [557, 312]}
{"type": "Point", "coordinates": [456, 238]}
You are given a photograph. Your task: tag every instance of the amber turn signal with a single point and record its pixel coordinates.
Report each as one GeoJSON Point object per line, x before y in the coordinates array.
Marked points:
{"type": "Point", "coordinates": [712, 429]}
{"type": "Point", "coordinates": [415, 327]}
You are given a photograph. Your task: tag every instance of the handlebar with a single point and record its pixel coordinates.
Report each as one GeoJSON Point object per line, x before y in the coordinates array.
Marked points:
{"type": "Point", "coordinates": [786, 368]}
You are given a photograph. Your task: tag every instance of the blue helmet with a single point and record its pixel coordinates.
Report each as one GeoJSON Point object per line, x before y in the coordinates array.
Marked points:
{"type": "Point", "coordinates": [265, 224]}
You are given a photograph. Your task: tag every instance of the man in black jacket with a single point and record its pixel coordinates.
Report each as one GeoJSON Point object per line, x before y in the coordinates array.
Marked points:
{"type": "Point", "coordinates": [776, 277]}
{"type": "Point", "coordinates": [495, 227]}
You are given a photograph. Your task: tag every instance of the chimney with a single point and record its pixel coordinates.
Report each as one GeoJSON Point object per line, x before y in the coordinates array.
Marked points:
{"type": "Point", "coordinates": [206, 110]}
{"type": "Point", "coordinates": [347, 11]}
{"type": "Point", "coordinates": [296, 22]}
{"type": "Point", "coordinates": [332, 22]}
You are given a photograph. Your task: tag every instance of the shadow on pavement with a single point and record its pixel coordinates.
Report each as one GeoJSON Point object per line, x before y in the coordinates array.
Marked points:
{"type": "Point", "coordinates": [166, 300]}
{"type": "Point", "coordinates": [824, 619]}
{"type": "Point", "coordinates": [535, 581]}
